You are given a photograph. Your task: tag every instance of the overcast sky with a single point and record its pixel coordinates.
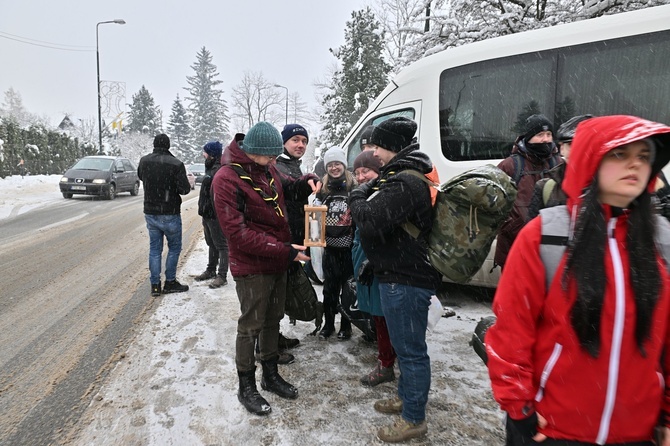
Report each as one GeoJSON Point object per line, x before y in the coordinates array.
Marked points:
{"type": "Point", "coordinates": [287, 40]}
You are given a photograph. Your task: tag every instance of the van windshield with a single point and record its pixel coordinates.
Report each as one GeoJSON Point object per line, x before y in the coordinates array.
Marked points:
{"type": "Point", "coordinates": [93, 164]}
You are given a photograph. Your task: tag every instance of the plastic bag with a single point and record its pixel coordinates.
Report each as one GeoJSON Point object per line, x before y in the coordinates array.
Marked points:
{"type": "Point", "coordinates": [435, 311]}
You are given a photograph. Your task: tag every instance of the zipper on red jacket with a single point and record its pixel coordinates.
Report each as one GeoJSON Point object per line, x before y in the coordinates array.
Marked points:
{"type": "Point", "coordinates": [546, 372]}
{"type": "Point", "coordinates": [617, 334]}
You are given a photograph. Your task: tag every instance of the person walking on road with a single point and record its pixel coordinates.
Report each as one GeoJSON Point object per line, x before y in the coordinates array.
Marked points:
{"type": "Point", "coordinates": [164, 180]}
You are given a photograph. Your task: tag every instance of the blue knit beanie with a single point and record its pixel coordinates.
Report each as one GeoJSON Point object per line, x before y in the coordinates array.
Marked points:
{"type": "Point", "coordinates": [213, 149]}
{"type": "Point", "coordinates": [290, 130]}
{"type": "Point", "coordinates": [263, 139]}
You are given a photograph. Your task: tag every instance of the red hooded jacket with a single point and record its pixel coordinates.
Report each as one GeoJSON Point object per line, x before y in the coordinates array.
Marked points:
{"type": "Point", "coordinates": [535, 358]}
{"type": "Point", "coordinates": [258, 238]}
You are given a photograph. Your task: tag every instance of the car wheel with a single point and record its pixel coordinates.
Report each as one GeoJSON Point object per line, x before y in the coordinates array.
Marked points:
{"type": "Point", "coordinates": [111, 193]}
{"type": "Point", "coordinates": [135, 190]}
{"type": "Point", "coordinates": [67, 195]}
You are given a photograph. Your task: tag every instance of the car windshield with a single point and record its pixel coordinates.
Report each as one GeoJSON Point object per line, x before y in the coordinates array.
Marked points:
{"type": "Point", "coordinates": [197, 169]}
{"type": "Point", "coordinates": [93, 164]}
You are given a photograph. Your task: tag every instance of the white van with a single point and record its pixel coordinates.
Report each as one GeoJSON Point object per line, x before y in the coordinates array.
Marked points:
{"type": "Point", "coordinates": [468, 101]}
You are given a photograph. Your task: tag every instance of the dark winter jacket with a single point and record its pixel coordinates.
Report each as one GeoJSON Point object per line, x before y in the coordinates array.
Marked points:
{"type": "Point", "coordinates": [206, 200]}
{"type": "Point", "coordinates": [533, 169]}
{"type": "Point", "coordinates": [290, 166]}
{"type": "Point", "coordinates": [164, 180]}
{"type": "Point", "coordinates": [556, 197]}
{"type": "Point", "coordinates": [396, 256]}
{"type": "Point", "coordinates": [535, 358]}
{"type": "Point", "coordinates": [258, 235]}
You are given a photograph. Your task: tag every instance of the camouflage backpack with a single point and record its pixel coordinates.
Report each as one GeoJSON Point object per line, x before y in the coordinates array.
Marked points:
{"type": "Point", "coordinates": [468, 212]}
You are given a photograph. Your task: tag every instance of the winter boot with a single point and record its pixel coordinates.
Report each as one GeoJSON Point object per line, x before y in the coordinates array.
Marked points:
{"type": "Point", "coordinates": [402, 430]}
{"type": "Point", "coordinates": [391, 406]}
{"type": "Point", "coordinates": [272, 382]}
{"type": "Point", "coordinates": [155, 289]}
{"type": "Point", "coordinates": [174, 287]}
{"type": "Point", "coordinates": [218, 282]}
{"type": "Point", "coordinates": [286, 343]}
{"type": "Point", "coordinates": [345, 328]}
{"type": "Point", "coordinates": [208, 274]}
{"type": "Point", "coordinates": [329, 324]}
{"type": "Point", "coordinates": [378, 375]}
{"type": "Point", "coordinates": [248, 394]}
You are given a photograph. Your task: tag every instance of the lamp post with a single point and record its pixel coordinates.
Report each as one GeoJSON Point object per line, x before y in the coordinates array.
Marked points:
{"type": "Point", "coordinates": [97, 57]}
{"type": "Point", "coordinates": [281, 86]}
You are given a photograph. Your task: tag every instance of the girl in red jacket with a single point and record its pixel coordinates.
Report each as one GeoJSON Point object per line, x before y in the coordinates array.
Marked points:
{"type": "Point", "coordinates": [585, 359]}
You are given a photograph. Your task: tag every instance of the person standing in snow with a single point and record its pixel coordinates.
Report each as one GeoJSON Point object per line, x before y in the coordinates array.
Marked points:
{"type": "Point", "coordinates": [216, 241]}
{"type": "Point", "coordinates": [584, 358]}
{"type": "Point", "coordinates": [164, 180]}
{"type": "Point", "coordinates": [400, 262]}
{"type": "Point", "coordinates": [249, 203]}
{"type": "Point", "coordinates": [366, 168]}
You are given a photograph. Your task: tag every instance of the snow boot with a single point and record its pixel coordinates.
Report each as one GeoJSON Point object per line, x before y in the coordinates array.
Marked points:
{"type": "Point", "coordinates": [248, 394]}
{"type": "Point", "coordinates": [173, 286]}
{"type": "Point", "coordinates": [378, 375]}
{"type": "Point", "coordinates": [345, 328]}
{"type": "Point", "coordinates": [208, 274]}
{"type": "Point", "coordinates": [286, 343]}
{"type": "Point", "coordinates": [272, 382]}
{"type": "Point", "coordinates": [329, 325]}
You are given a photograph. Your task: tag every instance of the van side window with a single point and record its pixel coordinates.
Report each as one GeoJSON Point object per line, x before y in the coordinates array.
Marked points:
{"type": "Point", "coordinates": [481, 105]}
{"type": "Point", "coordinates": [354, 148]}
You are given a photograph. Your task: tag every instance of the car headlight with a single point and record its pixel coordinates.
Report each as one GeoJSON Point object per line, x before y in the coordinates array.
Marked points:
{"type": "Point", "coordinates": [99, 181]}
{"type": "Point", "coordinates": [63, 179]}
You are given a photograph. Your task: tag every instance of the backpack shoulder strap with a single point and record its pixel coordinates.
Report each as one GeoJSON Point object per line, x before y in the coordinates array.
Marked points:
{"type": "Point", "coordinates": [547, 189]}
{"type": "Point", "coordinates": [519, 165]}
{"type": "Point", "coordinates": [555, 226]}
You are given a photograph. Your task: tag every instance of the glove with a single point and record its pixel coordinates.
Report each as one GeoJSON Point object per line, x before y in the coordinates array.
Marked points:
{"type": "Point", "coordinates": [365, 273]}
{"type": "Point", "coordinates": [361, 192]}
{"type": "Point", "coordinates": [524, 429]}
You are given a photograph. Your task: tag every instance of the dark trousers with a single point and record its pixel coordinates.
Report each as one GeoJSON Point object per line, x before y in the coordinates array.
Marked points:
{"type": "Point", "coordinates": [262, 298]}
{"type": "Point", "coordinates": [218, 246]}
{"type": "Point", "coordinates": [337, 268]}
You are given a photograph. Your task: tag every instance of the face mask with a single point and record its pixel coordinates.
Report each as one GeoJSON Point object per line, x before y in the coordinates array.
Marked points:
{"type": "Point", "coordinates": [541, 150]}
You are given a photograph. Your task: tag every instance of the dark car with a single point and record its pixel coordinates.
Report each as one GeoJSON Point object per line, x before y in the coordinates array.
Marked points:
{"type": "Point", "coordinates": [199, 171]}
{"type": "Point", "coordinates": [104, 176]}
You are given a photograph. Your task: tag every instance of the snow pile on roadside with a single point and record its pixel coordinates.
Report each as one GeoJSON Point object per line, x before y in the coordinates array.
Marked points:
{"type": "Point", "coordinates": [18, 195]}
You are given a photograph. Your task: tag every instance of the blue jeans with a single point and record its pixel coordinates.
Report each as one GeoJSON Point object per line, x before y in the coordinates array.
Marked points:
{"type": "Point", "coordinates": [406, 311]}
{"type": "Point", "coordinates": [159, 226]}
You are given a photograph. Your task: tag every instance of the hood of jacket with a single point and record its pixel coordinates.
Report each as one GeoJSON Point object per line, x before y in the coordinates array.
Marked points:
{"type": "Point", "coordinates": [409, 158]}
{"type": "Point", "coordinates": [597, 136]}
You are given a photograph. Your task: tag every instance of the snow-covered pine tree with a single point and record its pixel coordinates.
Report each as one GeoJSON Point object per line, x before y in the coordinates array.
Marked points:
{"type": "Point", "coordinates": [362, 75]}
{"type": "Point", "coordinates": [207, 108]}
{"type": "Point", "coordinates": [144, 114]}
{"type": "Point", "coordinates": [179, 130]}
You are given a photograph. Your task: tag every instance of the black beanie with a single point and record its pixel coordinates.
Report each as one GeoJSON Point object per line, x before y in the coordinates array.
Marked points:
{"type": "Point", "coordinates": [536, 124]}
{"type": "Point", "coordinates": [394, 134]}
{"type": "Point", "coordinates": [365, 136]}
{"type": "Point", "coordinates": [162, 141]}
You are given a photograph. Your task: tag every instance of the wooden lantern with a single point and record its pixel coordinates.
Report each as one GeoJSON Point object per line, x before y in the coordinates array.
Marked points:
{"type": "Point", "coordinates": [315, 225]}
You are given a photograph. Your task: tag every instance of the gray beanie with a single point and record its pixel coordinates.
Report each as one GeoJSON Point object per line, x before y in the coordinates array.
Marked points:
{"type": "Point", "coordinates": [263, 139]}
{"type": "Point", "coordinates": [335, 154]}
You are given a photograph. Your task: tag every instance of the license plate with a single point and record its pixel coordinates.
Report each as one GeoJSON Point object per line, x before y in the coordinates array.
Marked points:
{"type": "Point", "coordinates": [78, 188]}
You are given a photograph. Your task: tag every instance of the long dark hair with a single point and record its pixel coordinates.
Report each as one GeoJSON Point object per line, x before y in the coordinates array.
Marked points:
{"type": "Point", "coordinates": [586, 266]}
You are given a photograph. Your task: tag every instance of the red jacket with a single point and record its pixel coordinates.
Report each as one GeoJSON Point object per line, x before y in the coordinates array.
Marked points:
{"type": "Point", "coordinates": [258, 238]}
{"type": "Point", "coordinates": [535, 359]}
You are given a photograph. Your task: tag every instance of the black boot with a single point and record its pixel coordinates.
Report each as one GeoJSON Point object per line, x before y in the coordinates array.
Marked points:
{"type": "Point", "coordinates": [248, 394]}
{"type": "Point", "coordinates": [345, 328]}
{"type": "Point", "coordinates": [329, 324]}
{"type": "Point", "coordinates": [272, 382]}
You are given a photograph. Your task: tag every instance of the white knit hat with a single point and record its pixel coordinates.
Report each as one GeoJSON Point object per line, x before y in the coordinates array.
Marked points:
{"type": "Point", "coordinates": [335, 154]}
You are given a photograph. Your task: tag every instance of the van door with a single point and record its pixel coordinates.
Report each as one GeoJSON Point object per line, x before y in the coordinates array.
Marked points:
{"type": "Point", "coordinates": [352, 144]}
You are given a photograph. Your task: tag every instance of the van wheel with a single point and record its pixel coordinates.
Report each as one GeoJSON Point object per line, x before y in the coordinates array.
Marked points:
{"type": "Point", "coordinates": [111, 193]}
{"type": "Point", "coordinates": [135, 190]}
{"type": "Point", "coordinates": [67, 195]}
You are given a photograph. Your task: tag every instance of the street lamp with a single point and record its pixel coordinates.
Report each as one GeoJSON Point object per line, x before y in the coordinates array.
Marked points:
{"type": "Point", "coordinates": [281, 86]}
{"type": "Point", "coordinates": [97, 57]}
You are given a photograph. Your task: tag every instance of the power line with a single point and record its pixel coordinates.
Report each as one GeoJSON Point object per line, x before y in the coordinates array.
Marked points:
{"type": "Point", "coordinates": [50, 45]}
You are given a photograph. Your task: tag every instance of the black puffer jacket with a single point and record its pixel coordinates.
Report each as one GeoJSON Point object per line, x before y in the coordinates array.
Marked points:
{"type": "Point", "coordinates": [206, 199]}
{"type": "Point", "coordinates": [395, 255]}
{"type": "Point", "coordinates": [164, 180]}
{"type": "Point", "coordinates": [290, 166]}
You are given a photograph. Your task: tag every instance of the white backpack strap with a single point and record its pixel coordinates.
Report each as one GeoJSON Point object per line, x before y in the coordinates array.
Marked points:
{"type": "Point", "coordinates": [555, 227]}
